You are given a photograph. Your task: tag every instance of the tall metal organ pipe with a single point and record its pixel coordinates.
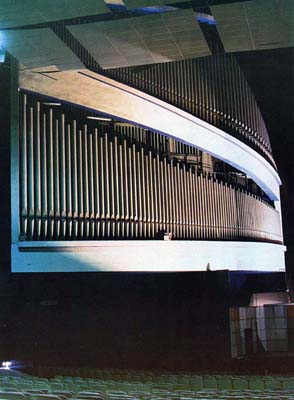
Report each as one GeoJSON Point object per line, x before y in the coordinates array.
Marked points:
{"type": "Point", "coordinates": [85, 181]}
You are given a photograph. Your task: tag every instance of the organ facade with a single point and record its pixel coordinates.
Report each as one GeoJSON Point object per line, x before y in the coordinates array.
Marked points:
{"type": "Point", "coordinates": [176, 151]}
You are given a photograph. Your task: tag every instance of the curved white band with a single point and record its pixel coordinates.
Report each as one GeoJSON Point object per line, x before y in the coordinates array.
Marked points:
{"type": "Point", "coordinates": [146, 256]}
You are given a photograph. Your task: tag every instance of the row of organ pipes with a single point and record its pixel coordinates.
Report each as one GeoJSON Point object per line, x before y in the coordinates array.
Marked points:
{"type": "Point", "coordinates": [211, 88]}
{"type": "Point", "coordinates": [95, 181]}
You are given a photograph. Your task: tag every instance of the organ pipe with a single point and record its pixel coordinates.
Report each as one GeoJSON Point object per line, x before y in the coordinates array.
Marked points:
{"type": "Point", "coordinates": [212, 88]}
{"type": "Point", "coordinates": [84, 182]}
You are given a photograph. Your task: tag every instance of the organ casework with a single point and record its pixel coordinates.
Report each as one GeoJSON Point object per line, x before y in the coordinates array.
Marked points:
{"type": "Point", "coordinates": [83, 178]}
{"type": "Point", "coordinates": [162, 167]}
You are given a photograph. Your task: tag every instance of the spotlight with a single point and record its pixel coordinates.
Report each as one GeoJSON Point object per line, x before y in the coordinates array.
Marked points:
{"type": "Point", "coordinates": [6, 364]}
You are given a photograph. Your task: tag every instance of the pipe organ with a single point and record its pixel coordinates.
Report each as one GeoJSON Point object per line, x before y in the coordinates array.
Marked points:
{"type": "Point", "coordinates": [211, 88]}
{"type": "Point", "coordinates": [83, 179]}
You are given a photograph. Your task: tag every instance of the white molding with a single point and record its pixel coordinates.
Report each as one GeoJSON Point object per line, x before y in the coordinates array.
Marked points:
{"type": "Point", "coordinates": [146, 256]}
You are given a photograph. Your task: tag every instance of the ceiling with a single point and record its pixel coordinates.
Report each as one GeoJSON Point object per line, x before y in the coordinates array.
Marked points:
{"type": "Point", "coordinates": [40, 48]}
{"type": "Point", "coordinates": [255, 25]}
{"type": "Point", "coordinates": [143, 40]}
{"type": "Point", "coordinates": [15, 13]}
{"type": "Point", "coordinates": [119, 37]}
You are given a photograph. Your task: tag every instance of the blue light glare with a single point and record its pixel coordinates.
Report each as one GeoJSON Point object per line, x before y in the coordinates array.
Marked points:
{"type": "Point", "coordinates": [154, 9]}
{"type": "Point", "coordinates": [205, 18]}
{"type": "Point", "coordinates": [117, 7]}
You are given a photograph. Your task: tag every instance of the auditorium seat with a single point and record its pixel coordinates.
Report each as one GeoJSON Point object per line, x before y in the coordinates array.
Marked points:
{"type": "Point", "coordinates": [209, 382]}
{"type": "Point", "coordinates": [12, 396]}
{"type": "Point", "coordinates": [84, 397]}
{"type": "Point", "coordinates": [240, 384]}
{"type": "Point", "coordinates": [30, 392]}
{"type": "Point", "coordinates": [98, 397]}
{"type": "Point", "coordinates": [8, 388]}
{"type": "Point", "coordinates": [133, 386]}
{"type": "Point", "coordinates": [87, 396]}
{"type": "Point", "coordinates": [44, 396]}
{"type": "Point", "coordinates": [196, 382]}
{"type": "Point", "coordinates": [224, 382]}
{"type": "Point", "coordinates": [288, 383]}
{"type": "Point", "coordinates": [272, 384]}
{"type": "Point", "coordinates": [63, 393]}
{"type": "Point", "coordinates": [256, 384]}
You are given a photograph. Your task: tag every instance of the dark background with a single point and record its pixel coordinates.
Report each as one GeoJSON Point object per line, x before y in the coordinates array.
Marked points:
{"type": "Point", "coordinates": [270, 74]}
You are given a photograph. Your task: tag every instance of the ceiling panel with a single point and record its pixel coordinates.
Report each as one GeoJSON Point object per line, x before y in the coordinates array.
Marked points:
{"type": "Point", "coordinates": [109, 46]}
{"type": "Point", "coordinates": [143, 40]}
{"type": "Point", "coordinates": [38, 48]}
{"type": "Point", "coordinates": [256, 24]}
{"type": "Point", "coordinates": [27, 12]}
{"type": "Point", "coordinates": [233, 27]}
{"type": "Point", "coordinates": [271, 23]}
{"type": "Point", "coordinates": [160, 37]}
